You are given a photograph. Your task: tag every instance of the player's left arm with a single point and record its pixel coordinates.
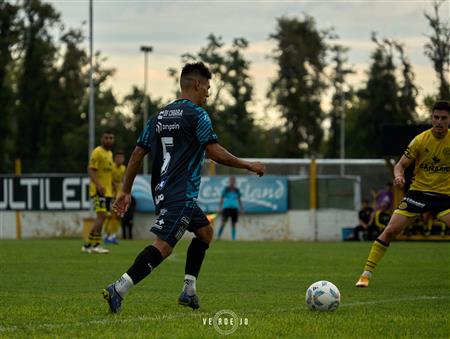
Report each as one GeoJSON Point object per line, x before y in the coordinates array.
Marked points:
{"type": "Point", "coordinates": [207, 137]}
{"type": "Point", "coordinates": [221, 155]}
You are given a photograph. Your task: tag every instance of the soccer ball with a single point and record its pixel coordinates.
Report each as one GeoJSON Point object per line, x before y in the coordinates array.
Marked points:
{"type": "Point", "coordinates": [323, 296]}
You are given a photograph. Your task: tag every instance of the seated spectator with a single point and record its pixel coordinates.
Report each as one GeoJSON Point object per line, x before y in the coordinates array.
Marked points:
{"type": "Point", "coordinates": [380, 220]}
{"type": "Point", "coordinates": [365, 219]}
{"type": "Point", "coordinates": [430, 223]}
{"type": "Point", "coordinates": [385, 195]}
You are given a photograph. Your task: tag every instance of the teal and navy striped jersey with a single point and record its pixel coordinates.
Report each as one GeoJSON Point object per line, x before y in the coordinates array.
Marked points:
{"type": "Point", "coordinates": [176, 138]}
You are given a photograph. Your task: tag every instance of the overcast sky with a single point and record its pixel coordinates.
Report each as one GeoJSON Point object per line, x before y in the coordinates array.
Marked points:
{"type": "Point", "coordinates": [177, 27]}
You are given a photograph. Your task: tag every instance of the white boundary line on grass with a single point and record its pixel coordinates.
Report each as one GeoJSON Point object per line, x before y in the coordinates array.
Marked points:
{"type": "Point", "coordinates": [118, 319]}
{"type": "Point", "coordinates": [386, 301]}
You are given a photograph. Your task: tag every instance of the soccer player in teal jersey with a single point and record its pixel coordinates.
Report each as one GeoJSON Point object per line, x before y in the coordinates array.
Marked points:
{"type": "Point", "coordinates": [176, 139]}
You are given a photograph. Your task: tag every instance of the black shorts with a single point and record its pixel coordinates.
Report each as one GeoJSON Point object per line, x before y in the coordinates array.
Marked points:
{"type": "Point", "coordinates": [101, 204]}
{"type": "Point", "coordinates": [173, 221]}
{"type": "Point", "coordinates": [232, 213]}
{"type": "Point", "coordinates": [417, 202]}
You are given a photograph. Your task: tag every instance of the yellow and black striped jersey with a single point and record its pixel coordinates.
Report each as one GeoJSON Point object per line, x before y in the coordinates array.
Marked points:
{"type": "Point", "coordinates": [432, 167]}
{"type": "Point", "coordinates": [102, 161]}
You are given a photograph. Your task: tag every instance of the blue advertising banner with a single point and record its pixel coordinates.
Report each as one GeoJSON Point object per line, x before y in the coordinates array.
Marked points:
{"type": "Point", "coordinates": [59, 192]}
{"type": "Point", "coordinates": [267, 194]}
{"type": "Point", "coordinates": [142, 192]}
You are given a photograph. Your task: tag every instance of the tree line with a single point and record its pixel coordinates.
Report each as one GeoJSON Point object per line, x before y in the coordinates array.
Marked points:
{"type": "Point", "coordinates": [44, 91]}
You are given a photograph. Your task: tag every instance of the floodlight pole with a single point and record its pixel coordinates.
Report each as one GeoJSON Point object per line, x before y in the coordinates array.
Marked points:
{"type": "Point", "coordinates": [342, 136]}
{"type": "Point", "coordinates": [91, 85]}
{"type": "Point", "coordinates": [146, 50]}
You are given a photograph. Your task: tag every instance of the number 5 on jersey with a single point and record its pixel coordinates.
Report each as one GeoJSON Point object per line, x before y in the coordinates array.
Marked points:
{"type": "Point", "coordinates": [167, 144]}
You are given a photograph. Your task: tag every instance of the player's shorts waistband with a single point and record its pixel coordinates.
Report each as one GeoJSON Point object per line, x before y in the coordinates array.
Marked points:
{"type": "Point", "coordinates": [433, 194]}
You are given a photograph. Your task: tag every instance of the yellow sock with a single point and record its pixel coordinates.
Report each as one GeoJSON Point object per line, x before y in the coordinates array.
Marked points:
{"type": "Point", "coordinates": [376, 254]}
{"type": "Point", "coordinates": [114, 224]}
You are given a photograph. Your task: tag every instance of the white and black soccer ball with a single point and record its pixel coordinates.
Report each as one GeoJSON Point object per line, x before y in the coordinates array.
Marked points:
{"type": "Point", "coordinates": [323, 296]}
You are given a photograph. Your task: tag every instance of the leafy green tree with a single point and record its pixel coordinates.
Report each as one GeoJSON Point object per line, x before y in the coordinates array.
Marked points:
{"type": "Point", "coordinates": [438, 49]}
{"type": "Point", "coordinates": [44, 93]}
{"type": "Point", "coordinates": [127, 121]}
{"type": "Point", "coordinates": [382, 101]}
{"type": "Point", "coordinates": [34, 82]}
{"type": "Point", "coordinates": [63, 114]}
{"type": "Point", "coordinates": [10, 27]}
{"type": "Point", "coordinates": [338, 100]}
{"type": "Point", "coordinates": [298, 87]}
{"type": "Point", "coordinates": [237, 119]}
{"type": "Point", "coordinates": [408, 90]}
{"type": "Point", "coordinates": [231, 93]}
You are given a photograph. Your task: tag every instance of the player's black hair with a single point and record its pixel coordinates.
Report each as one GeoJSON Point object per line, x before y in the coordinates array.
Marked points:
{"type": "Point", "coordinates": [107, 131]}
{"type": "Point", "coordinates": [119, 153]}
{"type": "Point", "coordinates": [194, 69]}
{"type": "Point", "coordinates": [442, 105]}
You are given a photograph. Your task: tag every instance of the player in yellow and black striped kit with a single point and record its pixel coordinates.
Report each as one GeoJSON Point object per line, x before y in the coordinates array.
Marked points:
{"type": "Point", "coordinates": [430, 188]}
{"type": "Point", "coordinates": [100, 190]}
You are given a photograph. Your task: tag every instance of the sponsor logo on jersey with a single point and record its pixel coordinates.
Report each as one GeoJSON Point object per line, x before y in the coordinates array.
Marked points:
{"type": "Point", "coordinates": [430, 167]}
{"type": "Point", "coordinates": [160, 186]}
{"type": "Point", "coordinates": [167, 127]}
{"type": "Point", "coordinates": [159, 224]}
{"type": "Point", "coordinates": [158, 127]}
{"type": "Point", "coordinates": [403, 205]}
{"type": "Point", "coordinates": [413, 202]}
{"type": "Point", "coordinates": [159, 198]}
{"type": "Point", "coordinates": [170, 127]}
{"type": "Point", "coordinates": [170, 114]}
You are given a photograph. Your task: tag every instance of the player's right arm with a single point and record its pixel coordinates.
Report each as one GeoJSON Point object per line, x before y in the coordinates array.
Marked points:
{"type": "Point", "coordinates": [123, 199]}
{"type": "Point", "coordinates": [399, 170]}
{"type": "Point", "coordinates": [219, 154]}
{"type": "Point", "coordinates": [93, 175]}
{"type": "Point", "coordinates": [143, 147]}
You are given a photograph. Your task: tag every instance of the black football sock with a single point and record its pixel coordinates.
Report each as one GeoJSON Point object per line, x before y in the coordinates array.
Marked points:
{"type": "Point", "coordinates": [195, 256]}
{"type": "Point", "coordinates": [145, 263]}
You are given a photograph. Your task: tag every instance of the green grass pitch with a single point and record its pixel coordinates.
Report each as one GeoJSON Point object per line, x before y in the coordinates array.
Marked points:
{"type": "Point", "coordinates": [49, 289]}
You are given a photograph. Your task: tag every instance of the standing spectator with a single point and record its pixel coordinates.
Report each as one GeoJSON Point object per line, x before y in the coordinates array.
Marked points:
{"type": "Point", "coordinates": [230, 202]}
{"type": "Point", "coordinates": [430, 220]}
